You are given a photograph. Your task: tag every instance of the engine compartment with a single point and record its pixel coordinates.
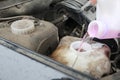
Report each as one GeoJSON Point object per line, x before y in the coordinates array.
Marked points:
{"type": "Point", "coordinates": [68, 18]}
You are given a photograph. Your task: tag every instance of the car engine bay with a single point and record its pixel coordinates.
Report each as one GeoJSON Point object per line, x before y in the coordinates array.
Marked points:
{"type": "Point", "coordinates": [54, 25]}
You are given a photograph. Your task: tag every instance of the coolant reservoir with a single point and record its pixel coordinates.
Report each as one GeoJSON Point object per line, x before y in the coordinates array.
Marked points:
{"type": "Point", "coordinates": [37, 35]}
{"type": "Point", "coordinates": [93, 59]}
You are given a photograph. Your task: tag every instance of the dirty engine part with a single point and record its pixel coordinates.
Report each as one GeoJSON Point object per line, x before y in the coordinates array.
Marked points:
{"type": "Point", "coordinates": [34, 34]}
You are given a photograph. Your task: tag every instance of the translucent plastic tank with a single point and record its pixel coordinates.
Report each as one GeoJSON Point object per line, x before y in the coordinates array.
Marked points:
{"type": "Point", "coordinates": [93, 59]}
{"type": "Point", "coordinates": [37, 35]}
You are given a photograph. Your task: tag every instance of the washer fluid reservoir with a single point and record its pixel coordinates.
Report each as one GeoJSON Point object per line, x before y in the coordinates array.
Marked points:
{"type": "Point", "coordinates": [37, 35]}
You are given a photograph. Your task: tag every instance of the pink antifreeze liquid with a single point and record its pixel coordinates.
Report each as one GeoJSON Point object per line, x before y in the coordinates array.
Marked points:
{"type": "Point", "coordinates": [85, 37]}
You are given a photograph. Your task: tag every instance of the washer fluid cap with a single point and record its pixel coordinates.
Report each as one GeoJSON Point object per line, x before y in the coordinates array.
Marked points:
{"type": "Point", "coordinates": [24, 26]}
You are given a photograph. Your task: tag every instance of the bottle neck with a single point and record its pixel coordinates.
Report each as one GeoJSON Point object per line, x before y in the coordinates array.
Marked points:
{"type": "Point", "coordinates": [97, 29]}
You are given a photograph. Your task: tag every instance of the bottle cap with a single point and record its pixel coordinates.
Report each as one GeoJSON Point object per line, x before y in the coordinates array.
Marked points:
{"type": "Point", "coordinates": [24, 26]}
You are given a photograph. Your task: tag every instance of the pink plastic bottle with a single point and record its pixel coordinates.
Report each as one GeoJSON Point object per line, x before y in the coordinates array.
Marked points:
{"type": "Point", "coordinates": [107, 23]}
